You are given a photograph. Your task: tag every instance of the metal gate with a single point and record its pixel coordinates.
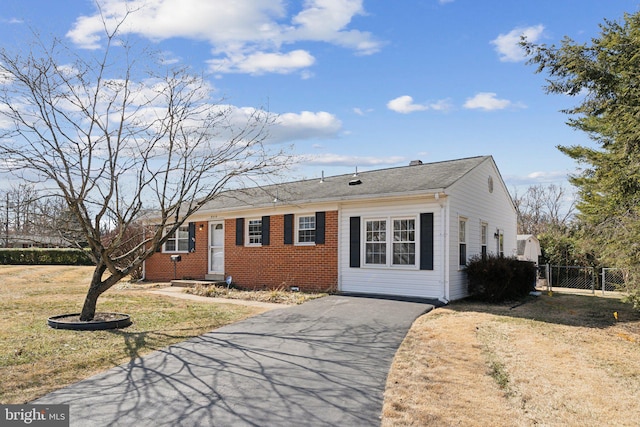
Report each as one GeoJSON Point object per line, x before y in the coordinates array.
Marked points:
{"type": "Point", "coordinates": [572, 277]}
{"type": "Point", "coordinates": [614, 279]}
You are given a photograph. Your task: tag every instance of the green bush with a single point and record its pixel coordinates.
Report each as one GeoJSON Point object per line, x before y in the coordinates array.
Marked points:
{"type": "Point", "coordinates": [39, 256]}
{"type": "Point", "coordinates": [497, 279]}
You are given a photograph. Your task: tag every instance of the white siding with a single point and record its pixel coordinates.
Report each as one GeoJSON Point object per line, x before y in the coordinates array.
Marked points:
{"type": "Point", "coordinates": [395, 280]}
{"type": "Point", "coordinates": [470, 198]}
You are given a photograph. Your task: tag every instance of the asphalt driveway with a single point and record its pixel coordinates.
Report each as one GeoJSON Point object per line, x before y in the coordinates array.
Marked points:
{"type": "Point", "coordinates": [323, 363]}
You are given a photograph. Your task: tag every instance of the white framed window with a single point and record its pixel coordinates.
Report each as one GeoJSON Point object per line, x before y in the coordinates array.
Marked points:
{"type": "Point", "coordinates": [306, 229]}
{"type": "Point", "coordinates": [254, 232]}
{"type": "Point", "coordinates": [484, 233]}
{"type": "Point", "coordinates": [375, 244]}
{"type": "Point", "coordinates": [462, 240]}
{"type": "Point", "coordinates": [394, 236]}
{"type": "Point", "coordinates": [404, 241]}
{"type": "Point", "coordinates": [178, 241]}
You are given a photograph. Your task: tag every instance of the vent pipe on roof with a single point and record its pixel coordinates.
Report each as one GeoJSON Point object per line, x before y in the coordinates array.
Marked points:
{"type": "Point", "coordinates": [322, 177]}
{"type": "Point", "coordinates": [356, 173]}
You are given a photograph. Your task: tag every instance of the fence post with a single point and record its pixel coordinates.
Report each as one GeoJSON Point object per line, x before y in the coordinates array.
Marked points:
{"type": "Point", "coordinates": [604, 278]}
{"type": "Point", "coordinates": [593, 280]}
{"type": "Point", "coordinates": [549, 276]}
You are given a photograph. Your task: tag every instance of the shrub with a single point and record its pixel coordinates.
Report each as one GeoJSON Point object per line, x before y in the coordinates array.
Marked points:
{"type": "Point", "coordinates": [39, 256]}
{"type": "Point", "coordinates": [497, 279]}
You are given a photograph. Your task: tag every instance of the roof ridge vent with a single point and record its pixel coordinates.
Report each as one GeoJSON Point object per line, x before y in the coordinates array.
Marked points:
{"type": "Point", "coordinates": [415, 162]}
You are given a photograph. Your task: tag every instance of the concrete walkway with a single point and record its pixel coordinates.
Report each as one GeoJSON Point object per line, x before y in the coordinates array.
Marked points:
{"type": "Point", "coordinates": [322, 363]}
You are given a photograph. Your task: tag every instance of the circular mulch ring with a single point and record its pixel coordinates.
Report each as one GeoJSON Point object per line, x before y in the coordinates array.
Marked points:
{"type": "Point", "coordinates": [100, 322]}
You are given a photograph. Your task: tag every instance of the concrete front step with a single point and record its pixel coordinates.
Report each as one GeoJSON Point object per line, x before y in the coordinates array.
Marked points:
{"type": "Point", "coordinates": [192, 283]}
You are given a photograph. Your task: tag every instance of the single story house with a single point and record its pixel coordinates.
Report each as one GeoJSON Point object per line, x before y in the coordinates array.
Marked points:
{"type": "Point", "coordinates": [529, 248]}
{"type": "Point", "coordinates": [406, 231]}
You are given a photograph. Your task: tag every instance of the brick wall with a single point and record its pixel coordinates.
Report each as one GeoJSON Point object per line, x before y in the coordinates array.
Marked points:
{"type": "Point", "coordinates": [159, 267]}
{"type": "Point", "coordinates": [311, 268]}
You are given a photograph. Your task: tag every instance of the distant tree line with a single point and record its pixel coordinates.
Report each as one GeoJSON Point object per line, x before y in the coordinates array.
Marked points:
{"type": "Point", "coordinates": [29, 217]}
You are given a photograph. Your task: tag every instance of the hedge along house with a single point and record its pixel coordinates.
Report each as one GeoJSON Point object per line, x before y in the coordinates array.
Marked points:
{"type": "Point", "coordinates": [405, 231]}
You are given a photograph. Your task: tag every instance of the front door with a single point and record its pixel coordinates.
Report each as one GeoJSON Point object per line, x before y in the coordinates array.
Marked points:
{"type": "Point", "coordinates": [216, 247]}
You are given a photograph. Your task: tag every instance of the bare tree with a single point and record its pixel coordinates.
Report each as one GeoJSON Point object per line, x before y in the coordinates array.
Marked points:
{"type": "Point", "coordinates": [540, 208]}
{"type": "Point", "coordinates": [114, 134]}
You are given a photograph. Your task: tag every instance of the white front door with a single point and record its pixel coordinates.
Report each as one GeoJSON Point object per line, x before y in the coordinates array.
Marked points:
{"type": "Point", "coordinates": [216, 247]}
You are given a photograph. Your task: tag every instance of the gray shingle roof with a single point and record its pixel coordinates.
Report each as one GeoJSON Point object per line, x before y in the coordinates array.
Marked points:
{"type": "Point", "coordinates": [424, 178]}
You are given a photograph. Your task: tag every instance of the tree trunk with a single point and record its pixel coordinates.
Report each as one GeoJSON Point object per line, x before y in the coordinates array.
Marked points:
{"type": "Point", "coordinates": [97, 288]}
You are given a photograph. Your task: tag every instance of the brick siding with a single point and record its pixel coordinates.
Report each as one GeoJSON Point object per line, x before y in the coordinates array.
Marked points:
{"type": "Point", "coordinates": [311, 268]}
{"type": "Point", "coordinates": [159, 267]}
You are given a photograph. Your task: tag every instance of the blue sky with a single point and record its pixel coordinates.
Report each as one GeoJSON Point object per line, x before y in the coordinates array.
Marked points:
{"type": "Point", "coordinates": [365, 83]}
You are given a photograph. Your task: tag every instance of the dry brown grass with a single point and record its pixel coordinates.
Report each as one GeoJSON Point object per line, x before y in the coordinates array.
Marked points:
{"type": "Point", "coordinates": [35, 359]}
{"type": "Point", "coordinates": [561, 360]}
{"type": "Point", "coordinates": [277, 296]}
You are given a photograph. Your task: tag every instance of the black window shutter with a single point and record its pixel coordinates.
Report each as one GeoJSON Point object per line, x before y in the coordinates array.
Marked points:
{"type": "Point", "coordinates": [192, 237]}
{"type": "Point", "coordinates": [354, 242]}
{"type": "Point", "coordinates": [239, 231]}
{"type": "Point", "coordinates": [426, 241]}
{"type": "Point", "coordinates": [265, 230]}
{"type": "Point", "coordinates": [320, 228]}
{"type": "Point", "coordinates": [288, 229]}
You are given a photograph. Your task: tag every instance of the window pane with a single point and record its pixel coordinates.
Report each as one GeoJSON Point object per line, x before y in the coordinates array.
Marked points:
{"type": "Point", "coordinates": [170, 245]}
{"type": "Point", "coordinates": [463, 231]}
{"type": "Point", "coordinates": [404, 253]}
{"type": "Point", "coordinates": [255, 231]}
{"type": "Point", "coordinates": [376, 253]}
{"type": "Point", "coordinates": [306, 229]}
{"type": "Point", "coordinates": [463, 254]}
{"type": "Point", "coordinates": [376, 242]}
{"type": "Point", "coordinates": [404, 248]}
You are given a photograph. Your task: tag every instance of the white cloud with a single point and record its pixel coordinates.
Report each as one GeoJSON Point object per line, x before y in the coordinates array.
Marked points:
{"type": "Point", "coordinates": [346, 160]}
{"type": "Point", "coordinates": [304, 125]}
{"type": "Point", "coordinates": [508, 47]}
{"type": "Point", "coordinates": [487, 101]}
{"type": "Point", "coordinates": [245, 35]}
{"type": "Point", "coordinates": [261, 62]}
{"type": "Point", "coordinates": [405, 105]}
{"type": "Point", "coordinates": [361, 112]}
{"type": "Point", "coordinates": [539, 177]}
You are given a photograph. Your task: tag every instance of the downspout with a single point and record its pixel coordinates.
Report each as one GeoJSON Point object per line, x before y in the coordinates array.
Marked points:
{"type": "Point", "coordinates": [444, 243]}
{"type": "Point", "coordinates": [340, 249]}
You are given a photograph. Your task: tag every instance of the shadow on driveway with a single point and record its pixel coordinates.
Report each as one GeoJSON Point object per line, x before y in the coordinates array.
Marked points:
{"type": "Point", "coordinates": [323, 363]}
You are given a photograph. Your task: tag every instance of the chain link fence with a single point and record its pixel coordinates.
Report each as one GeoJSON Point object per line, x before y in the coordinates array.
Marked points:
{"type": "Point", "coordinates": [614, 279]}
{"type": "Point", "coordinates": [582, 278]}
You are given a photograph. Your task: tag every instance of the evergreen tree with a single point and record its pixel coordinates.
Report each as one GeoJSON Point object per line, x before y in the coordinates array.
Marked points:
{"type": "Point", "coordinates": [605, 76]}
